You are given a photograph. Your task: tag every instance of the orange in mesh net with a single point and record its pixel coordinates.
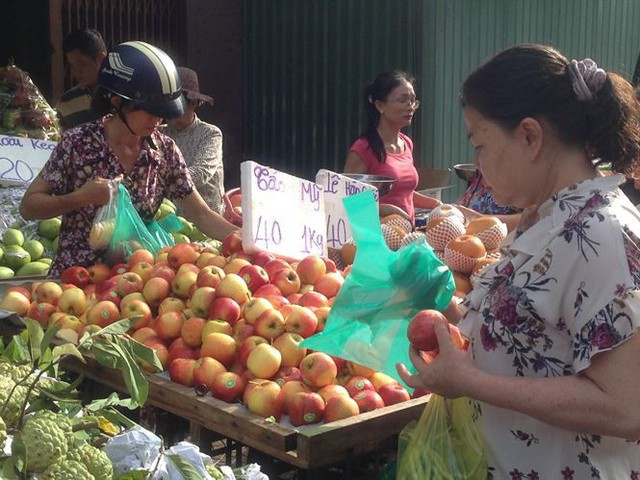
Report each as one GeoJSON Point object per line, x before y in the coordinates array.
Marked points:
{"type": "Point", "coordinates": [441, 230]}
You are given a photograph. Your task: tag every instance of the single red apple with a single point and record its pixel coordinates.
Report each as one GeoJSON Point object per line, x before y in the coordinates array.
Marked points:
{"type": "Point", "coordinates": [421, 332]}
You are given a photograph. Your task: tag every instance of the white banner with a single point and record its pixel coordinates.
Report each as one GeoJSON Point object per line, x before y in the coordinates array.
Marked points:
{"type": "Point", "coordinates": [22, 158]}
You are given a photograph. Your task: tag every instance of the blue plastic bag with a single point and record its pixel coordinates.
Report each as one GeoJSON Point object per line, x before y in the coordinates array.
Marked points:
{"type": "Point", "coordinates": [384, 290]}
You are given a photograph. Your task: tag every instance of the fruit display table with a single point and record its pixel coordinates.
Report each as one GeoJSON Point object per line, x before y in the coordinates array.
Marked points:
{"type": "Point", "coordinates": [308, 448]}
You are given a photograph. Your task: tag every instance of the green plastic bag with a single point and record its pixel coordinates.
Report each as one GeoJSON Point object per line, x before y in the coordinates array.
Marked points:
{"type": "Point", "coordinates": [445, 444]}
{"type": "Point", "coordinates": [130, 232]}
{"type": "Point", "coordinates": [384, 290]}
{"type": "Point", "coordinates": [163, 228]}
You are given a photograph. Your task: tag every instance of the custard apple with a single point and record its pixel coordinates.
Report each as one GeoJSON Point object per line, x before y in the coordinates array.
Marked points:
{"type": "Point", "coordinates": [67, 469]}
{"type": "Point", "coordinates": [44, 440]}
{"type": "Point", "coordinates": [11, 406]}
{"type": "Point", "coordinates": [94, 459]}
{"type": "Point", "coordinates": [62, 422]}
{"type": "Point", "coordinates": [13, 371]}
{"type": "Point", "coordinates": [3, 434]}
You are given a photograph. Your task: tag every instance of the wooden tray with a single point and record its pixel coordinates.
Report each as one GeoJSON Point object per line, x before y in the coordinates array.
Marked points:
{"type": "Point", "coordinates": [307, 447]}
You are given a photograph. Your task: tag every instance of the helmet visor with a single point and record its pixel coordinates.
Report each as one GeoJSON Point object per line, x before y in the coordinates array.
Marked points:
{"type": "Point", "coordinates": [167, 108]}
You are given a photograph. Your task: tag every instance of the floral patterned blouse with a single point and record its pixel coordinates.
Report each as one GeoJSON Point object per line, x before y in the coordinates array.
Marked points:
{"type": "Point", "coordinates": [83, 153]}
{"type": "Point", "coordinates": [477, 197]}
{"type": "Point", "coordinates": [201, 146]}
{"type": "Point", "coordinates": [566, 289]}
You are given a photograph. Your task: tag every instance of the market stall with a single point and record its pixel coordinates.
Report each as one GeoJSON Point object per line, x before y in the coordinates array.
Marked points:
{"type": "Point", "coordinates": [244, 339]}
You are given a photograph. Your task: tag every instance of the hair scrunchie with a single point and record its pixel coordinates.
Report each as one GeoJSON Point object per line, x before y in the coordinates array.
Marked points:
{"type": "Point", "coordinates": [586, 78]}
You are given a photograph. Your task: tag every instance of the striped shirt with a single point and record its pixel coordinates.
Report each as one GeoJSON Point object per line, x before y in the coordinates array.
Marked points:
{"type": "Point", "coordinates": [74, 107]}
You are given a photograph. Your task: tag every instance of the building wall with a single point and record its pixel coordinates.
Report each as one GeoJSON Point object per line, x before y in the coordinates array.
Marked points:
{"type": "Point", "coordinates": [460, 34]}
{"type": "Point", "coordinates": [307, 62]}
{"type": "Point", "coordinates": [214, 42]}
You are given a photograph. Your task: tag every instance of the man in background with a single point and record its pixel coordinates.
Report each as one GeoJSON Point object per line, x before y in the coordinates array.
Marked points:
{"type": "Point", "coordinates": [84, 50]}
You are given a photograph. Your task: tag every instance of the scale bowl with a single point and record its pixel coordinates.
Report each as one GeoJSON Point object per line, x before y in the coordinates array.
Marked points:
{"type": "Point", "coordinates": [383, 184]}
{"type": "Point", "coordinates": [465, 171]}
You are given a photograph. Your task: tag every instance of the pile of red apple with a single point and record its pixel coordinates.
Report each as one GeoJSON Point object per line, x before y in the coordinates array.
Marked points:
{"type": "Point", "coordinates": [226, 322]}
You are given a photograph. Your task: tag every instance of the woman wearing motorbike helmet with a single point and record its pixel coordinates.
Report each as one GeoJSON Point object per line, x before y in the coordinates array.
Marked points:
{"type": "Point", "coordinates": [138, 86]}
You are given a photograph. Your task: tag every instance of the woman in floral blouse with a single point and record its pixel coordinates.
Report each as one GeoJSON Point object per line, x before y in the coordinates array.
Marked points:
{"type": "Point", "coordinates": [552, 372]}
{"type": "Point", "coordinates": [138, 87]}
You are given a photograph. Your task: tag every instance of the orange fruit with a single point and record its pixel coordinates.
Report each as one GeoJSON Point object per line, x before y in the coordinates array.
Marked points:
{"type": "Point", "coordinates": [481, 224]}
{"type": "Point", "coordinates": [462, 282]}
{"type": "Point", "coordinates": [480, 264]}
{"type": "Point", "coordinates": [468, 245]}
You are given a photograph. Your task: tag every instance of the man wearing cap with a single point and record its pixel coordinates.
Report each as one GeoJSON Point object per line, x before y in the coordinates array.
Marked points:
{"type": "Point", "coordinates": [199, 142]}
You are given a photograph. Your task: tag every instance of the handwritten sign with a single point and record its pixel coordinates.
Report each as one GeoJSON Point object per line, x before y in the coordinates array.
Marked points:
{"type": "Point", "coordinates": [281, 213]}
{"type": "Point", "coordinates": [336, 187]}
{"type": "Point", "coordinates": [22, 158]}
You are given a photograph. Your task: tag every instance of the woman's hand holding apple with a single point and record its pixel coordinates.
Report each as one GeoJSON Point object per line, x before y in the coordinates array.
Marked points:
{"type": "Point", "coordinates": [445, 371]}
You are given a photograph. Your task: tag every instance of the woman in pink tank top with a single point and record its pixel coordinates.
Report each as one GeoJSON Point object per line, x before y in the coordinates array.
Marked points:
{"type": "Point", "coordinates": [390, 103]}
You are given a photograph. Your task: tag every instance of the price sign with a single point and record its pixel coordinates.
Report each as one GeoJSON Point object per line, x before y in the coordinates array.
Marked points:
{"type": "Point", "coordinates": [336, 187]}
{"type": "Point", "coordinates": [281, 213]}
{"type": "Point", "coordinates": [22, 158]}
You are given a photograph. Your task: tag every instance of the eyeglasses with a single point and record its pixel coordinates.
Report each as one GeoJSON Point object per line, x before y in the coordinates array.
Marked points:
{"type": "Point", "coordinates": [409, 102]}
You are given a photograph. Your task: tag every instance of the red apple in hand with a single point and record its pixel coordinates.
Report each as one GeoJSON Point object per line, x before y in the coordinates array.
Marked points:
{"type": "Point", "coordinates": [422, 335]}
{"type": "Point", "coordinates": [421, 332]}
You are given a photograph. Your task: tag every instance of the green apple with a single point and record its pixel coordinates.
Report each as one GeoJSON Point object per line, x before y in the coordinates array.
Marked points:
{"type": "Point", "coordinates": [35, 249]}
{"type": "Point", "coordinates": [170, 204]}
{"type": "Point", "coordinates": [49, 228]}
{"type": "Point", "coordinates": [187, 227]}
{"type": "Point", "coordinates": [33, 268]}
{"type": "Point", "coordinates": [6, 272]}
{"type": "Point", "coordinates": [12, 236]}
{"type": "Point", "coordinates": [47, 244]}
{"type": "Point", "coordinates": [163, 211]}
{"type": "Point", "coordinates": [180, 238]}
{"type": "Point", "coordinates": [18, 224]}
{"type": "Point", "coordinates": [15, 257]}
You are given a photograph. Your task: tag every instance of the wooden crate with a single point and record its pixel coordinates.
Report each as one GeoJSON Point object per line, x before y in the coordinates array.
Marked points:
{"type": "Point", "coordinates": [309, 447]}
